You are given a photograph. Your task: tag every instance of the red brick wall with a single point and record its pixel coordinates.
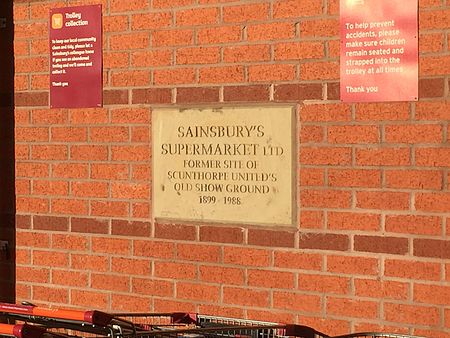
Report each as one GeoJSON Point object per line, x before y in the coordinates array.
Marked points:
{"type": "Point", "coordinates": [372, 246]}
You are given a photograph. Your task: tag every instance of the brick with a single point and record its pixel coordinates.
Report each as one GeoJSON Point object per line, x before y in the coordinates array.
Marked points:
{"type": "Point", "coordinates": [129, 41]}
{"type": "Point", "coordinates": [270, 279]}
{"type": "Point", "coordinates": [171, 3]}
{"type": "Point", "coordinates": [110, 282]}
{"type": "Point", "coordinates": [31, 134]}
{"type": "Point", "coordinates": [436, 19]}
{"type": "Point", "coordinates": [50, 188]}
{"type": "Point", "coordinates": [246, 53]}
{"type": "Point", "coordinates": [431, 88]}
{"type": "Point", "coordinates": [378, 244]}
{"type": "Point", "coordinates": [311, 219]}
{"type": "Point", "coordinates": [275, 72]}
{"type": "Point", "coordinates": [324, 283]}
{"type": "Point", "coordinates": [246, 13]}
{"type": "Point", "coordinates": [197, 95]}
{"type": "Point", "coordinates": [145, 248]}
{"type": "Point", "coordinates": [214, 310]}
{"type": "Point", "coordinates": [32, 205]}
{"type": "Point", "coordinates": [22, 152]}
{"type": "Point", "coordinates": [152, 287]}
{"type": "Point", "coordinates": [414, 134]}
{"type": "Point", "coordinates": [31, 64]}
{"type": "Point", "coordinates": [434, 202]}
{"type": "Point", "coordinates": [382, 112]}
{"type": "Point", "coordinates": [89, 262]}
{"type": "Point", "coordinates": [319, 27]}
{"type": "Point", "coordinates": [167, 305]}
{"type": "Point", "coordinates": [255, 93]}
{"type": "Point", "coordinates": [299, 50]}
{"type": "Point", "coordinates": [89, 299]}
{"type": "Point", "coordinates": [383, 156]}
{"type": "Point", "coordinates": [154, 58]}
{"type": "Point", "coordinates": [434, 65]}
{"type": "Point", "coordinates": [296, 302]}
{"type": "Point", "coordinates": [221, 275]}
{"type": "Point", "coordinates": [23, 187]}
{"type": "Point", "coordinates": [331, 326]}
{"type": "Point", "coordinates": [202, 253]}
{"type": "Point", "coordinates": [175, 231]}
{"type": "Point", "coordinates": [431, 43]}
{"type": "Point", "coordinates": [49, 152]}
{"type": "Point", "coordinates": [140, 210]}
{"type": "Point", "coordinates": [111, 97]}
{"type": "Point", "coordinates": [414, 179]}
{"type": "Point", "coordinates": [33, 240]}
{"type": "Point", "coordinates": [130, 228]}
{"type": "Point", "coordinates": [69, 206]}
{"type": "Point", "coordinates": [312, 177]}
{"type": "Point", "coordinates": [32, 169]}
{"type": "Point", "coordinates": [271, 31]}
{"type": "Point", "coordinates": [297, 92]}
{"type": "Point", "coordinates": [168, 38]}
{"type": "Point", "coordinates": [197, 16]}
{"type": "Point", "coordinates": [353, 134]}
{"type": "Point", "coordinates": [432, 157]}
{"type": "Point", "coordinates": [69, 278]}
{"type": "Point", "coordinates": [131, 153]}
{"type": "Point", "coordinates": [32, 275]}
{"type": "Point", "coordinates": [353, 265]}
{"type": "Point", "coordinates": [68, 134]}
{"type": "Point", "coordinates": [40, 81]}
{"type": "Point", "coordinates": [245, 297]}
{"type": "Point", "coordinates": [115, 23]}
{"type": "Point", "coordinates": [352, 308]}
{"type": "Point", "coordinates": [152, 96]}
{"type": "Point", "coordinates": [381, 289]}
{"type": "Point", "coordinates": [221, 234]}
{"type": "Point", "coordinates": [50, 223]}
{"type": "Point", "coordinates": [412, 270]}
{"type": "Point", "coordinates": [325, 113]}
{"type": "Point", "coordinates": [325, 70]}
{"type": "Point", "coordinates": [197, 55]}
{"type": "Point", "coordinates": [30, 99]}
{"type": "Point", "coordinates": [50, 294]}
{"type": "Point", "coordinates": [89, 189]}
{"type": "Point", "coordinates": [227, 74]}
{"type": "Point", "coordinates": [141, 172]}
{"type": "Point", "coordinates": [89, 225]}
{"type": "Point", "coordinates": [354, 178]}
{"type": "Point", "coordinates": [130, 78]}
{"type": "Point", "coordinates": [89, 153]}
{"type": "Point", "coordinates": [414, 224]}
{"type": "Point", "coordinates": [383, 200]}
{"type": "Point", "coordinates": [69, 242]}
{"type": "Point", "coordinates": [246, 256]}
{"type": "Point", "coordinates": [297, 260]}
{"type": "Point", "coordinates": [151, 21]}
{"type": "Point", "coordinates": [271, 238]}
{"type": "Point", "coordinates": [213, 35]}
{"type": "Point", "coordinates": [431, 248]}
{"type": "Point", "coordinates": [431, 294]}
{"type": "Point", "coordinates": [209, 293]}
{"type": "Point", "coordinates": [411, 314]}
{"type": "Point", "coordinates": [111, 245]}
{"type": "Point", "coordinates": [174, 76]}
{"type": "Point", "coordinates": [50, 259]}
{"type": "Point", "coordinates": [174, 270]}
{"type": "Point", "coordinates": [23, 222]}
{"type": "Point", "coordinates": [70, 170]}
{"type": "Point", "coordinates": [109, 208]}
{"type": "Point", "coordinates": [30, 30]}
{"type": "Point", "coordinates": [130, 303]}
{"type": "Point", "coordinates": [130, 266]}
{"type": "Point", "coordinates": [325, 198]}
{"type": "Point", "coordinates": [85, 116]}
{"type": "Point", "coordinates": [131, 115]}
{"type": "Point", "coordinates": [324, 241]}
{"type": "Point", "coordinates": [122, 190]}
{"type": "Point", "coordinates": [134, 5]}
{"type": "Point", "coordinates": [294, 9]}
{"type": "Point", "coordinates": [353, 221]}
{"type": "Point", "coordinates": [325, 155]}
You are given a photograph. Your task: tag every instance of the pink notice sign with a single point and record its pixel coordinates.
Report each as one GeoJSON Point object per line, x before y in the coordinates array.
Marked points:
{"type": "Point", "coordinates": [379, 51]}
{"type": "Point", "coordinates": [76, 57]}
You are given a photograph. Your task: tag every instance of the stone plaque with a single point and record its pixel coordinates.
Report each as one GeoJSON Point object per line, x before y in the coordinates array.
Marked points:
{"type": "Point", "coordinates": [227, 164]}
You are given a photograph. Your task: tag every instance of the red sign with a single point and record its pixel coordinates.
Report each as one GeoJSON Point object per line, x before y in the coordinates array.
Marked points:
{"type": "Point", "coordinates": [379, 50]}
{"type": "Point", "coordinates": [76, 57]}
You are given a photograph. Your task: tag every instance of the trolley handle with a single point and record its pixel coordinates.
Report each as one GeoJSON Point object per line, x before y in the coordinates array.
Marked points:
{"type": "Point", "coordinates": [22, 330]}
{"type": "Point", "coordinates": [92, 317]}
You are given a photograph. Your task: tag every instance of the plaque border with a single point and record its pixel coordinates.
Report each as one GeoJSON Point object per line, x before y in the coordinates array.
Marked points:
{"type": "Point", "coordinates": [294, 164]}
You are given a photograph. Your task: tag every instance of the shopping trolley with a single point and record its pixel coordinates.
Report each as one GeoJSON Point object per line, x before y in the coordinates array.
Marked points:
{"type": "Point", "coordinates": [377, 335]}
{"type": "Point", "coordinates": [21, 331]}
